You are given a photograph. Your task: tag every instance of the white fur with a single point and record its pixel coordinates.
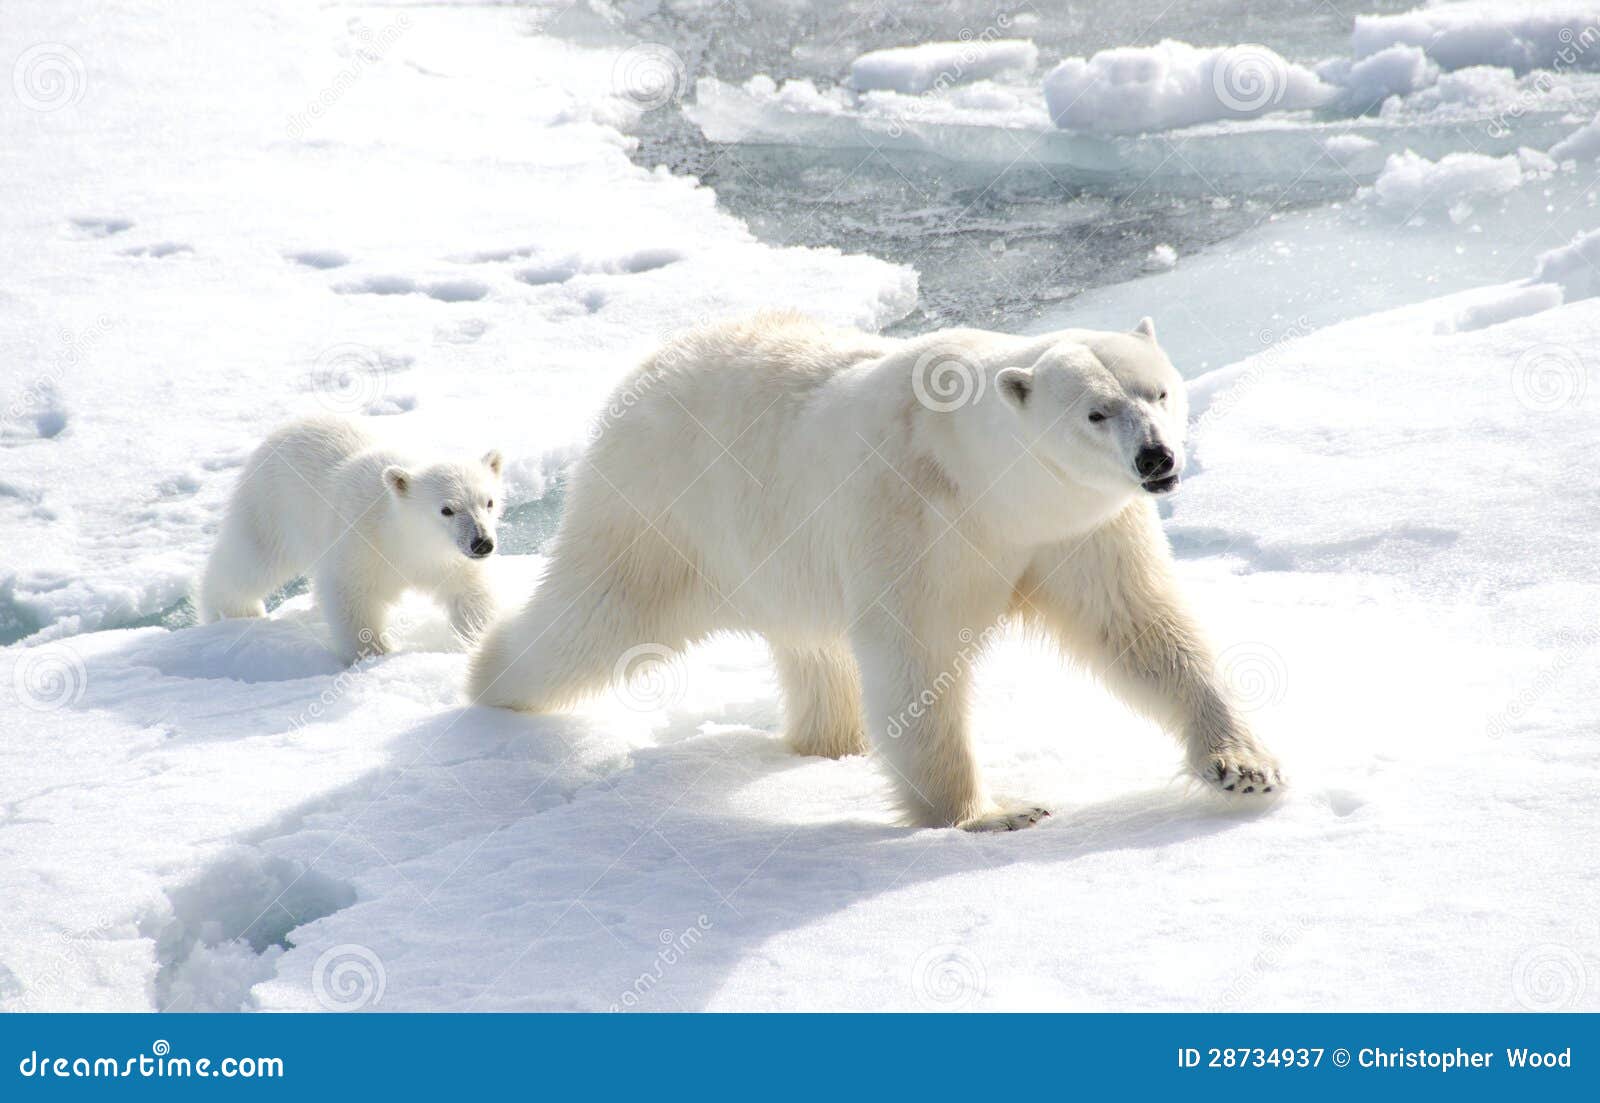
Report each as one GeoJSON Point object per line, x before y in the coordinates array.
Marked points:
{"type": "Point", "coordinates": [320, 497]}
{"type": "Point", "coordinates": [782, 478]}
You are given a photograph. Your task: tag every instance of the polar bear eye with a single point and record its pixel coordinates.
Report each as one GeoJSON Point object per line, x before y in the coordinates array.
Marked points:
{"type": "Point", "coordinates": [490, 504]}
{"type": "Point", "coordinates": [1097, 417]}
{"type": "Point", "coordinates": [448, 512]}
{"type": "Point", "coordinates": [1162, 397]}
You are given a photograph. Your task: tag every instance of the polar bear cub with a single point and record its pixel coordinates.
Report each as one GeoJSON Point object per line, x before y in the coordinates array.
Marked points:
{"type": "Point", "coordinates": [872, 505]}
{"type": "Point", "coordinates": [321, 497]}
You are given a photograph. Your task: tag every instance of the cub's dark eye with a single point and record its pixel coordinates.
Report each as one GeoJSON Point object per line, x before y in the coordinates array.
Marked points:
{"type": "Point", "coordinates": [490, 505]}
{"type": "Point", "coordinates": [1097, 417]}
{"type": "Point", "coordinates": [1162, 397]}
{"type": "Point", "coordinates": [448, 512]}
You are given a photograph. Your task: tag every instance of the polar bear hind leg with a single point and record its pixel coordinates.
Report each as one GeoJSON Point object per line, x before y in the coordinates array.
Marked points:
{"type": "Point", "coordinates": [243, 569]}
{"type": "Point", "coordinates": [588, 626]}
{"type": "Point", "coordinates": [821, 701]}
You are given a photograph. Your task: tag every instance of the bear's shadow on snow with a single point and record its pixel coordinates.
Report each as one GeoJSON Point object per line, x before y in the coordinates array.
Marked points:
{"type": "Point", "coordinates": [575, 877]}
{"type": "Point", "coordinates": [582, 852]}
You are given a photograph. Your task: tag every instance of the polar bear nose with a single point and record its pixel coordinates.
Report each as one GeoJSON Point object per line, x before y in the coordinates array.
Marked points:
{"type": "Point", "coordinates": [482, 546]}
{"type": "Point", "coordinates": [1153, 461]}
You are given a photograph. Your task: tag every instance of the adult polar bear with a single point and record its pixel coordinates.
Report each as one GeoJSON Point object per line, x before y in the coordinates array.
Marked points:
{"type": "Point", "coordinates": [868, 504]}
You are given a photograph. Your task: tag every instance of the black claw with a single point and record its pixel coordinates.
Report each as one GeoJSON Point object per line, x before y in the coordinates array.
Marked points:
{"type": "Point", "coordinates": [1229, 788]}
{"type": "Point", "coordinates": [1249, 788]}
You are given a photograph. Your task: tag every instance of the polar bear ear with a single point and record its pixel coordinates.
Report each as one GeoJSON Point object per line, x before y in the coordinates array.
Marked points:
{"type": "Point", "coordinates": [493, 460]}
{"type": "Point", "coordinates": [1016, 384]}
{"type": "Point", "coordinates": [397, 479]}
{"type": "Point", "coordinates": [1146, 328]}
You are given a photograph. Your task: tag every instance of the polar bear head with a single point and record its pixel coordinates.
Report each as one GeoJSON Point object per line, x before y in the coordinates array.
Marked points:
{"type": "Point", "coordinates": [450, 506]}
{"type": "Point", "coordinates": [1108, 409]}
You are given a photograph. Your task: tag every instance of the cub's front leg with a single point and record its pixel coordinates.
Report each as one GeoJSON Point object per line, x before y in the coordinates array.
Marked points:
{"type": "Point", "coordinates": [1111, 599]}
{"type": "Point", "coordinates": [471, 606]}
{"type": "Point", "coordinates": [350, 593]}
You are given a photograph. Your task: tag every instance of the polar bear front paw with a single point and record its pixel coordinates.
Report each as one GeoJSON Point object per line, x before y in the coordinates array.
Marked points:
{"type": "Point", "coordinates": [1006, 819]}
{"type": "Point", "coordinates": [1242, 771]}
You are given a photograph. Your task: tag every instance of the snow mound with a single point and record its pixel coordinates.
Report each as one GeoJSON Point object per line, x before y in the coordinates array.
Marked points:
{"type": "Point", "coordinates": [1557, 34]}
{"type": "Point", "coordinates": [917, 69]}
{"type": "Point", "coordinates": [1576, 266]}
{"type": "Point", "coordinates": [1133, 89]}
{"type": "Point", "coordinates": [1503, 305]}
{"type": "Point", "coordinates": [1582, 144]}
{"type": "Point", "coordinates": [1367, 83]}
{"type": "Point", "coordinates": [1411, 185]}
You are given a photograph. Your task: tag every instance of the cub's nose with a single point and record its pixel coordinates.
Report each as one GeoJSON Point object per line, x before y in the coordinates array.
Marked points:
{"type": "Point", "coordinates": [482, 546]}
{"type": "Point", "coordinates": [1153, 461]}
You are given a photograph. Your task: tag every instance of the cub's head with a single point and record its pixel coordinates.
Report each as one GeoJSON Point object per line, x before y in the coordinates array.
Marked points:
{"type": "Point", "coordinates": [453, 504]}
{"type": "Point", "coordinates": [1108, 409]}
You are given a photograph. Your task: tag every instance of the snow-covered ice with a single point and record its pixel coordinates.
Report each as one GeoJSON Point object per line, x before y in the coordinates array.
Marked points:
{"type": "Point", "coordinates": [1411, 185]}
{"type": "Point", "coordinates": [428, 215]}
{"type": "Point", "coordinates": [917, 69]}
{"type": "Point", "coordinates": [1543, 34]}
{"type": "Point", "coordinates": [1173, 84]}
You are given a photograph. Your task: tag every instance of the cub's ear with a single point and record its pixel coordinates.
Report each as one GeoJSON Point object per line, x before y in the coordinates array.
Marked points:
{"type": "Point", "coordinates": [1016, 384]}
{"type": "Point", "coordinates": [493, 460]}
{"type": "Point", "coordinates": [1146, 328]}
{"type": "Point", "coordinates": [397, 479]}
